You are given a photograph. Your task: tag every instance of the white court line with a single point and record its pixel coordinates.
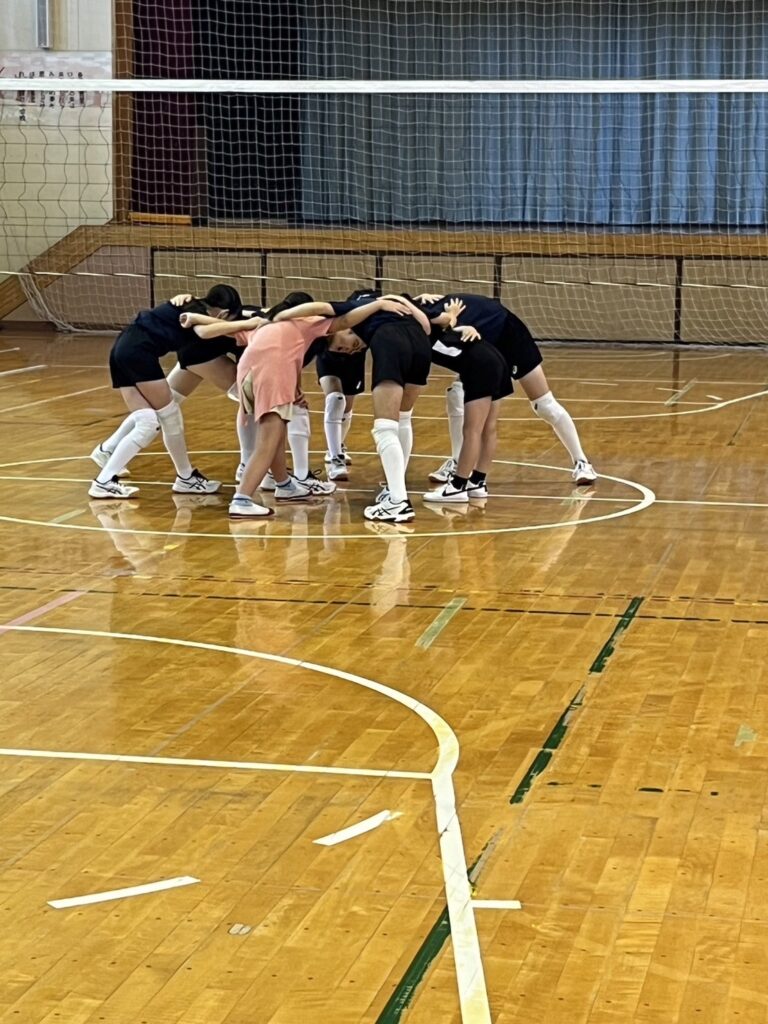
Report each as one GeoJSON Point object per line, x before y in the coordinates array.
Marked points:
{"type": "Point", "coordinates": [647, 498]}
{"type": "Point", "coordinates": [497, 904]}
{"type": "Point", "coordinates": [55, 398]}
{"type": "Point", "coordinates": [199, 762]}
{"type": "Point", "coordinates": [675, 398]}
{"type": "Point", "coordinates": [358, 829]}
{"type": "Point", "coordinates": [470, 975]}
{"type": "Point", "coordinates": [121, 894]}
{"type": "Point", "coordinates": [715, 398]}
{"type": "Point", "coordinates": [22, 369]}
{"type": "Point", "coordinates": [4, 350]}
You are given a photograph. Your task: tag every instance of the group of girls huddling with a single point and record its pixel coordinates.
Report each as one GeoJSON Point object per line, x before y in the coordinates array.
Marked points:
{"type": "Point", "coordinates": [256, 357]}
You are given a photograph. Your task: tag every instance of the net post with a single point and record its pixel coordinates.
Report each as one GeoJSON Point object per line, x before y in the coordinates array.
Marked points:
{"type": "Point", "coordinates": [678, 315]}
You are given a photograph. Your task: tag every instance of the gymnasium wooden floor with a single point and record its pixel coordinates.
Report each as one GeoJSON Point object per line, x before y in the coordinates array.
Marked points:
{"type": "Point", "coordinates": [597, 661]}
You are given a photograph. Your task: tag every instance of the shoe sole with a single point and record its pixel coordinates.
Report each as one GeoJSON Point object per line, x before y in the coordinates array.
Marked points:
{"type": "Point", "coordinates": [403, 517]}
{"type": "Point", "coordinates": [585, 481]}
{"type": "Point", "coordinates": [239, 517]}
{"type": "Point", "coordinates": [446, 501]}
{"type": "Point", "coordinates": [438, 478]}
{"type": "Point", "coordinates": [338, 476]}
{"type": "Point", "coordinates": [113, 497]}
{"type": "Point", "coordinates": [303, 497]}
{"type": "Point", "coordinates": [184, 490]}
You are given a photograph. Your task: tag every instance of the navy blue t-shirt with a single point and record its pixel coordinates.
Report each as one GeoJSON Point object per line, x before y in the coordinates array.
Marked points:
{"type": "Point", "coordinates": [163, 327]}
{"type": "Point", "coordinates": [366, 330]}
{"type": "Point", "coordinates": [488, 316]}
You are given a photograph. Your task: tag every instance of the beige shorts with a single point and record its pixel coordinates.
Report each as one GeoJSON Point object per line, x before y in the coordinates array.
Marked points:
{"type": "Point", "coordinates": [285, 411]}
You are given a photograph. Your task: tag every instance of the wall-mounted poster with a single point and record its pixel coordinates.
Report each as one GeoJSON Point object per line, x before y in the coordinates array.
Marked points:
{"type": "Point", "coordinates": [62, 69]}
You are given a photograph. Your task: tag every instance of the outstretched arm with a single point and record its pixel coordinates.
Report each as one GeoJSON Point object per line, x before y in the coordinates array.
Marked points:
{"type": "Point", "coordinates": [360, 313]}
{"type": "Point", "coordinates": [209, 327]}
{"type": "Point", "coordinates": [419, 314]}
{"type": "Point", "coordinates": [305, 309]}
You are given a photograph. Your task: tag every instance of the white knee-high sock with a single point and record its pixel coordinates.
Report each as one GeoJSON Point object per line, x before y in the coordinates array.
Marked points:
{"type": "Point", "coordinates": [122, 431]}
{"type": "Point", "coordinates": [333, 422]}
{"type": "Point", "coordinates": [172, 424]}
{"type": "Point", "coordinates": [385, 434]}
{"type": "Point", "coordinates": [299, 432]}
{"type": "Point", "coordinates": [246, 434]}
{"type": "Point", "coordinates": [454, 406]}
{"type": "Point", "coordinates": [143, 433]}
{"type": "Point", "coordinates": [549, 409]}
{"type": "Point", "coordinates": [346, 423]}
{"type": "Point", "coordinates": [405, 433]}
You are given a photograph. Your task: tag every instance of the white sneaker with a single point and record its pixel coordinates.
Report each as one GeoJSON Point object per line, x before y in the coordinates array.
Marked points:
{"type": "Point", "coordinates": [101, 457]}
{"type": "Point", "coordinates": [319, 488]}
{"type": "Point", "coordinates": [448, 493]}
{"type": "Point", "coordinates": [337, 469]}
{"type": "Point", "coordinates": [477, 490]}
{"type": "Point", "coordinates": [583, 473]}
{"type": "Point", "coordinates": [444, 473]}
{"type": "Point", "coordinates": [239, 472]}
{"type": "Point", "coordinates": [389, 511]}
{"type": "Point", "coordinates": [245, 508]}
{"type": "Point", "coordinates": [268, 483]}
{"type": "Point", "coordinates": [294, 490]}
{"type": "Point", "coordinates": [112, 489]}
{"type": "Point", "coordinates": [328, 458]}
{"type": "Point", "coordinates": [195, 484]}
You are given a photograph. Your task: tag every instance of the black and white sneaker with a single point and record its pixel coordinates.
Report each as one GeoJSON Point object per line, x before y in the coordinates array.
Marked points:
{"type": "Point", "coordinates": [318, 488]}
{"type": "Point", "coordinates": [475, 490]}
{"type": "Point", "coordinates": [448, 493]}
{"type": "Point", "coordinates": [444, 473]}
{"type": "Point", "coordinates": [328, 458]}
{"type": "Point", "coordinates": [583, 474]}
{"type": "Point", "coordinates": [389, 511]}
{"type": "Point", "coordinates": [195, 484]}
{"type": "Point", "coordinates": [111, 489]}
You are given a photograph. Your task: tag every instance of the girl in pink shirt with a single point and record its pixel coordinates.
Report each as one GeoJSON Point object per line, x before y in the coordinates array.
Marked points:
{"type": "Point", "coordinates": [269, 377]}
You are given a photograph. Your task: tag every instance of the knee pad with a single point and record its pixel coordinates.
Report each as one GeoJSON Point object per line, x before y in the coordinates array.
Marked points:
{"type": "Point", "coordinates": [454, 399]}
{"type": "Point", "coordinates": [145, 426]}
{"type": "Point", "coordinates": [171, 419]}
{"type": "Point", "coordinates": [334, 407]}
{"type": "Point", "coordinates": [547, 408]}
{"type": "Point", "coordinates": [385, 433]}
{"type": "Point", "coordinates": [298, 425]}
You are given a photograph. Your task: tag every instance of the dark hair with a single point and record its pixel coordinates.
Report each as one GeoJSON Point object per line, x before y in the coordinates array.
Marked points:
{"type": "Point", "coordinates": [291, 299]}
{"type": "Point", "coordinates": [224, 296]}
{"type": "Point", "coordinates": [358, 293]}
{"type": "Point", "coordinates": [194, 306]}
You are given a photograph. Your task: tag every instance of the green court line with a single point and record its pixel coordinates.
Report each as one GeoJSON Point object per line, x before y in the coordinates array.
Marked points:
{"type": "Point", "coordinates": [436, 627]}
{"type": "Point", "coordinates": [438, 934]}
{"type": "Point", "coordinates": [610, 645]}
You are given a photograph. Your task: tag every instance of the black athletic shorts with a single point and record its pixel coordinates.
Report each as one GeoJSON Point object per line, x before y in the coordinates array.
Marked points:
{"type": "Point", "coordinates": [481, 369]}
{"type": "Point", "coordinates": [349, 368]}
{"type": "Point", "coordinates": [518, 348]}
{"type": "Point", "coordinates": [200, 350]}
{"type": "Point", "coordinates": [401, 352]}
{"type": "Point", "coordinates": [134, 358]}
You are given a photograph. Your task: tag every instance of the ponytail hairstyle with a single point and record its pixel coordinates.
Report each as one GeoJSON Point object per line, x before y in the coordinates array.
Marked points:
{"type": "Point", "coordinates": [291, 299]}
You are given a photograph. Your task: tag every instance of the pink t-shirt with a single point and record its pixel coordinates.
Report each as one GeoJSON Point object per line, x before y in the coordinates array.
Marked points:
{"type": "Point", "coordinates": [274, 358]}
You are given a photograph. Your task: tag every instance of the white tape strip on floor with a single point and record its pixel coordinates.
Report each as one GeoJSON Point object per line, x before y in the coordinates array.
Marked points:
{"type": "Point", "coordinates": [367, 825]}
{"type": "Point", "coordinates": [121, 894]}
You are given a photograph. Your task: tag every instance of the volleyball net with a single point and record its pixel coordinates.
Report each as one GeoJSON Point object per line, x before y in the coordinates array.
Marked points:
{"type": "Point", "coordinates": [598, 208]}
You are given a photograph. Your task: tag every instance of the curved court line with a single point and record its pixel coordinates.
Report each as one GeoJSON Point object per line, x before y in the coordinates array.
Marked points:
{"type": "Point", "coordinates": [648, 497]}
{"type": "Point", "coordinates": [473, 995]}
{"type": "Point", "coordinates": [670, 414]}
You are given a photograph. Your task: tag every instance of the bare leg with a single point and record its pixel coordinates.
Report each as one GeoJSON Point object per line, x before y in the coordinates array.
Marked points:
{"type": "Point", "coordinates": [270, 441]}
{"type": "Point", "coordinates": [475, 417]}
